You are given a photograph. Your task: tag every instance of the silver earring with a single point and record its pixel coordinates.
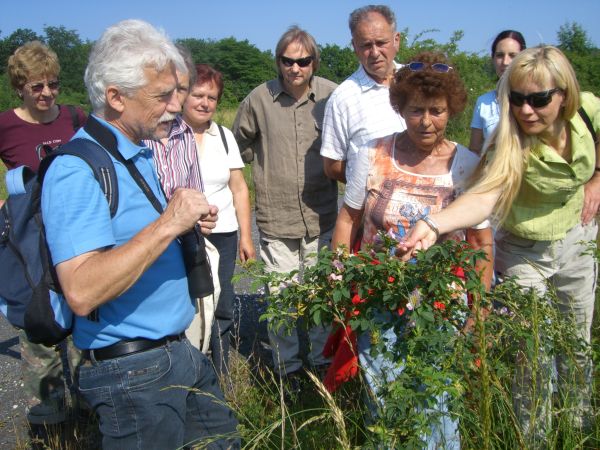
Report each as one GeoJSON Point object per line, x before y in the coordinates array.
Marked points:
{"type": "Point", "coordinates": [19, 94]}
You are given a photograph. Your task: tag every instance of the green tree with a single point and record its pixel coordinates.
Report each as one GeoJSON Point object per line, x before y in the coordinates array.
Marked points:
{"type": "Point", "coordinates": [584, 57]}
{"type": "Point", "coordinates": [573, 38]}
{"type": "Point", "coordinates": [10, 43]}
{"type": "Point", "coordinates": [73, 56]}
{"type": "Point", "coordinates": [243, 65]}
{"type": "Point", "coordinates": [337, 63]}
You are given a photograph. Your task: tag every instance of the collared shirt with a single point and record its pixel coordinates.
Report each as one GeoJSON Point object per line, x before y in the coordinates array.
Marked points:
{"type": "Point", "coordinates": [177, 162]}
{"type": "Point", "coordinates": [77, 220]}
{"type": "Point", "coordinates": [282, 138]}
{"type": "Point", "coordinates": [550, 200]}
{"type": "Point", "coordinates": [357, 112]}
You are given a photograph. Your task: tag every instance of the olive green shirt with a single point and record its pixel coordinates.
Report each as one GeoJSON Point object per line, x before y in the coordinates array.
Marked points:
{"type": "Point", "coordinates": [550, 200]}
{"type": "Point", "coordinates": [282, 138]}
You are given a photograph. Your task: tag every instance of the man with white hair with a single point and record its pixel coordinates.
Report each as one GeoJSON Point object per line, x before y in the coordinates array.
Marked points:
{"type": "Point", "coordinates": [148, 385]}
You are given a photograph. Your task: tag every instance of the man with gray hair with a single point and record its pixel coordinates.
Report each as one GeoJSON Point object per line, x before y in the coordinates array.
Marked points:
{"type": "Point", "coordinates": [278, 128]}
{"type": "Point", "coordinates": [359, 110]}
{"type": "Point", "coordinates": [124, 277]}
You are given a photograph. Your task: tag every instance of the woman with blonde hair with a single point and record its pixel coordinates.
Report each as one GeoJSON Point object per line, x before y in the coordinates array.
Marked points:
{"type": "Point", "coordinates": [33, 70]}
{"type": "Point", "coordinates": [540, 179]}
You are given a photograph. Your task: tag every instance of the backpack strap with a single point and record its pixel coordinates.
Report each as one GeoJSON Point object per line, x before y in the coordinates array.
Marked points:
{"type": "Point", "coordinates": [588, 124]}
{"type": "Point", "coordinates": [74, 117]}
{"type": "Point", "coordinates": [99, 161]}
{"type": "Point", "coordinates": [108, 140]}
{"type": "Point", "coordinates": [223, 138]}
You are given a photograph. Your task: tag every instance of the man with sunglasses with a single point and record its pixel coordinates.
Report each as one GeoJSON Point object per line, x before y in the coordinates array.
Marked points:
{"type": "Point", "coordinates": [359, 110]}
{"type": "Point", "coordinates": [33, 70]}
{"type": "Point", "coordinates": [278, 128]}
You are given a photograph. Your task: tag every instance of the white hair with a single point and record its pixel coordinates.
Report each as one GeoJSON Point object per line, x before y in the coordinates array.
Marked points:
{"type": "Point", "coordinates": [120, 56]}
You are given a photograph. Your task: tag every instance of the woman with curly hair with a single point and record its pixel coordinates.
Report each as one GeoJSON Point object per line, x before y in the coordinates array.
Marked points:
{"type": "Point", "coordinates": [402, 178]}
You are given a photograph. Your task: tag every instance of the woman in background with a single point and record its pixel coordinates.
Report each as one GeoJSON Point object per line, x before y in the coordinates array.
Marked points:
{"type": "Point", "coordinates": [33, 71]}
{"type": "Point", "coordinates": [224, 186]}
{"type": "Point", "coordinates": [487, 113]}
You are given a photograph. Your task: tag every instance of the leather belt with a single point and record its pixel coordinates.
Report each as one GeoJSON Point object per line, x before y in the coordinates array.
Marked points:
{"type": "Point", "coordinates": [124, 348]}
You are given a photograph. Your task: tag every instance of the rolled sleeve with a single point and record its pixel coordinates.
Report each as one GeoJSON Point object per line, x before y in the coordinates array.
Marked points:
{"type": "Point", "coordinates": [335, 133]}
{"type": "Point", "coordinates": [74, 209]}
{"type": "Point", "coordinates": [356, 188]}
{"type": "Point", "coordinates": [244, 130]}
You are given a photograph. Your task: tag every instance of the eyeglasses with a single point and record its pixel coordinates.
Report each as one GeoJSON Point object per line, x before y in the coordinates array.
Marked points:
{"type": "Point", "coordinates": [417, 66]}
{"type": "Point", "coordinates": [535, 100]}
{"type": "Point", "coordinates": [302, 62]}
{"type": "Point", "coordinates": [37, 88]}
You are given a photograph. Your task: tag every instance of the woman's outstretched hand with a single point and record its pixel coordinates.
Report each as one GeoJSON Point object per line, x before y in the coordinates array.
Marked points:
{"type": "Point", "coordinates": [419, 237]}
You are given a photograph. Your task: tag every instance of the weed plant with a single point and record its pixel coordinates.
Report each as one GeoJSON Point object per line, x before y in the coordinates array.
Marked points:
{"type": "Point", "coordinates": [467, 353]}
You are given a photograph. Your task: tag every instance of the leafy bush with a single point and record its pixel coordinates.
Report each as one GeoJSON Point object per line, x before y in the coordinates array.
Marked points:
{"type": "Point", "coordinates": [473, 365]}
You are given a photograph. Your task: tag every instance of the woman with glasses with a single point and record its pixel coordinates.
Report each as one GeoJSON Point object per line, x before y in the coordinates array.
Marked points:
{"type": "Point", "coordinates": [402, 178]}
{"type": "Point", "coordinates": [33, 70]}
{"type": "Point", "coordinates": [541, 181]}
{"type": "Point", "coordinates": [486, 114]}
{"type": "Point", "coordinates": [224, 186]}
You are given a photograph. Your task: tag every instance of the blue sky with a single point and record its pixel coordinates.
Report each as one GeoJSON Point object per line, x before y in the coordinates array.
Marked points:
{"type": "Point", "coordinates": [262, 22]}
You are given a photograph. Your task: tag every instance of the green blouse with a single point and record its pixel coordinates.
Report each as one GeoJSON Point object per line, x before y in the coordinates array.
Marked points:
{"type": "Point", "coordinates": [550, 200]}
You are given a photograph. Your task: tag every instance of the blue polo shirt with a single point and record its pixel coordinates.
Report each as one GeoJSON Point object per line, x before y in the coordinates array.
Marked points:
{"type": "Point", "coordinates": [77, 221]}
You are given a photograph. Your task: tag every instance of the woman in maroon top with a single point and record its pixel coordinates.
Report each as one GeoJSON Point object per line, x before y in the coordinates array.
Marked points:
{"type": "Point", "coordinates": [33, 71]}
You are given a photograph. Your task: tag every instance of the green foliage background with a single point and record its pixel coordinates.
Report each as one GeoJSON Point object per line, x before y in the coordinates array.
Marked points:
{"type": "Point", "coordinates": [244, 66]}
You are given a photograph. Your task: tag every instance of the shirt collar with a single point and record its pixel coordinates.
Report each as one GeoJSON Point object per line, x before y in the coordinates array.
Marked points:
{"type": "Point", "coordinates": [276, 89]}
{"type": "Point", "coordinates": [127, 148]}
{"type": "Point", "coordinates": [366, 82]}
{"type": "Point", "coordinates": [213, 129]}
{"type": "Point", "coordinates": [179, 126]}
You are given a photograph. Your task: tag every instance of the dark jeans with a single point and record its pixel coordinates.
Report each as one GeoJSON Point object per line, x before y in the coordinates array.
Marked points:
{"type": "Point", "coordinates": [226, 244]}
{"type": "Point", "coordinates": [167, 397]}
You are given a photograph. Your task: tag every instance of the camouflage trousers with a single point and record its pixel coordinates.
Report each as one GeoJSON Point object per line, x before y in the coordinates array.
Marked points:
{"type": "Point", "coordinates": [43, 369]}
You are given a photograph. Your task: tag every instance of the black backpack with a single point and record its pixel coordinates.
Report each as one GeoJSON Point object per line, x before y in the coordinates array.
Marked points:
{"type": "Point", "coordinates": [30, 295]}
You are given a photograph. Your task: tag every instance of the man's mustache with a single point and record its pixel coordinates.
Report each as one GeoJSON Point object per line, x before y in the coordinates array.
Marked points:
{"type": "Point", "coordinates": [167, 117]}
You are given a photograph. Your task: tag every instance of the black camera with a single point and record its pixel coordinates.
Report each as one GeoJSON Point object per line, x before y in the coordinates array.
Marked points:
{"type": "Point", "coordinates": [197, 265]}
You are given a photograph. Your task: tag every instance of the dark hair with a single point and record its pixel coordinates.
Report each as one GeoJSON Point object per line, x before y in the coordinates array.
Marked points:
{"type": "Point", "coordinates": [297, 34]}
{"type": "Point", "coordinates": [509, 34]}
{"type": "Point", "coordinates": [189, 62]}
{"type": "Point", "coordinates": [205, 73]}
{"type": "Point", "coordinates": [360, 14]}
{"type": "Point", "coordinates": [429, 84]}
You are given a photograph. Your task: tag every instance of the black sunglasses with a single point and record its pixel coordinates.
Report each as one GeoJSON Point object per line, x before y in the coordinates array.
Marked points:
{"type": "Point", "coordinates": [417, 66]}
{"type": "Point", "coordinates": [39, 87]}
{"type": "Point", "coordinates": [535, 100]}
{"type": "Point", "coordinates": [302, 62]}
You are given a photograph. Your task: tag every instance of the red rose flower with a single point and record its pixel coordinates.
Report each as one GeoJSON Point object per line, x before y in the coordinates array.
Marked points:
{"type": "Point", "coordinates": [439, 305]}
